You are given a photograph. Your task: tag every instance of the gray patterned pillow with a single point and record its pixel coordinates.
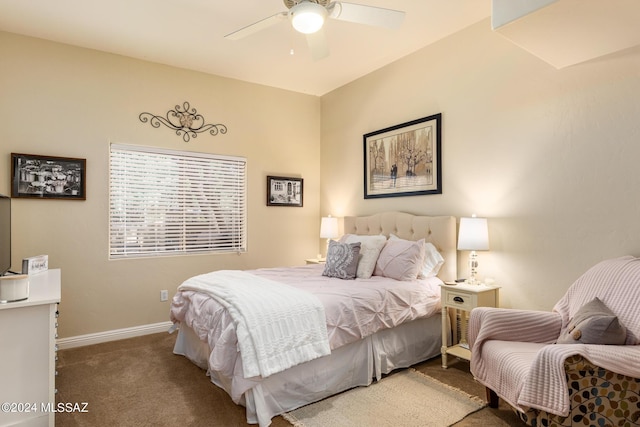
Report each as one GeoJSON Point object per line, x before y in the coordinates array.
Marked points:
{"type": "Point", "coordinates": [342, 260]}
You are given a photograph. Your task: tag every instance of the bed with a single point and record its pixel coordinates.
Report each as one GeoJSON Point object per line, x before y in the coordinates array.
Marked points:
{"type": "Point", "coordinates": [400, 328]}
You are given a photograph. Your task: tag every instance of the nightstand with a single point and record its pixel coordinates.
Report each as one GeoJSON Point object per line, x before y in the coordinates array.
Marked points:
{"type": "Point", "coordinates": [461, 299]}
{"type": "Point", "coordinates": [315, 261]}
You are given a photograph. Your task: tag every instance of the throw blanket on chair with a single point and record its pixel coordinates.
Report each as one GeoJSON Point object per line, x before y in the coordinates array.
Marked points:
{"type": "Point", "coordinates": [546, 386]}
{"type": "Point", "coordinates": [278, 326]}
{"type": "Point", "coordinates": [543, 383]}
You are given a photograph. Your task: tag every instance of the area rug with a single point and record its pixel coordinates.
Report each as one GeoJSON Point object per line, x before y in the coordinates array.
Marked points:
{"type": "Point", "coordinates": [407, 398]}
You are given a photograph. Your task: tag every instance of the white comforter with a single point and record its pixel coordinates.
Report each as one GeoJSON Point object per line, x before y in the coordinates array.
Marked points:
{"type": "Point", "coordinates": [277, 326]}
{"type": "Point", "coordinates": [354, 309]}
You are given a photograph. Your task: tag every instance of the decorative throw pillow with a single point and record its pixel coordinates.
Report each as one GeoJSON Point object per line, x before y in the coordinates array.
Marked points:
{"type": "Point", "coordinates": [369, 250]}
{"type": "Point", "coordinates": [342, 260]}
{"type": "Point", "coordinates": [400, 259]}
{"type": "Point", "coordinates": [594, 323]}
{"type": "Point", "coordinates": [433, 260]}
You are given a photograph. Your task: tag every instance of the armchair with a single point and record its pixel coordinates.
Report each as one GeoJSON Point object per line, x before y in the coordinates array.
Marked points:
{"type": "Point", "coordinates": [515, 354]}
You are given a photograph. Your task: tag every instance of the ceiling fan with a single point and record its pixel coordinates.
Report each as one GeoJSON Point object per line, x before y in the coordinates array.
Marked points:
{"type": "Point", "coordinates": [308, 17]}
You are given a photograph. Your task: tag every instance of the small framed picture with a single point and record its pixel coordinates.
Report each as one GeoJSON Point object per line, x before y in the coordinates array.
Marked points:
{"type": "Point", "coordinates": [283, 191]}
{"type": "Point", "coordinates": [404, 160]}
{"type": "Point", "coordinates": [48, 177]}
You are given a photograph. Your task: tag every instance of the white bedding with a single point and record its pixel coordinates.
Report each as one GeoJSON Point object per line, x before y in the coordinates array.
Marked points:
{"type": "Point", "coordinates": [354, 310]}
{"type": "Point", "coordinates": [351, 365]}
{"type": "Point", "coordinates": [278, 326]}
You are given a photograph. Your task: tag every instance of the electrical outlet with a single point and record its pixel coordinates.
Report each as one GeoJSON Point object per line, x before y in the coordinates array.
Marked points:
{"type": "Point", "coordinates": [164, 295]}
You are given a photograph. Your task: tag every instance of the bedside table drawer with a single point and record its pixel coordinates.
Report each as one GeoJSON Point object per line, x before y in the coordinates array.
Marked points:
{"type": "Point", "coordinates": [460, 300]}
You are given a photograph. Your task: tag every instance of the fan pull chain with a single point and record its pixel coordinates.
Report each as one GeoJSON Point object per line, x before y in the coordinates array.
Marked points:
{"type": "Point", "coordinates": [291, 50]}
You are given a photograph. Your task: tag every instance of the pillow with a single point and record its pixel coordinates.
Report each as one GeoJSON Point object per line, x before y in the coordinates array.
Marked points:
{"type": "Point", "coordinates": [400, 259]}
{"type": "Point", "coordinates": [433, 261]}
{"type": "Point", "coordinates": [594, 323]}
{"type": "Point", "coordinates": [369, 250]}
{"type": "Point", "coordinates": [342, 260]}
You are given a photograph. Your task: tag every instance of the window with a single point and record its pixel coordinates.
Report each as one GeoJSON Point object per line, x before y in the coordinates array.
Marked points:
{"type": "Point", "coordinates": [165, 202]}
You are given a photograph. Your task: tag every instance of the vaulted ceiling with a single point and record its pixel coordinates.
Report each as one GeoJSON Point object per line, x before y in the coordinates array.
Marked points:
{"type": "Point", "coordinates": [190, 34]}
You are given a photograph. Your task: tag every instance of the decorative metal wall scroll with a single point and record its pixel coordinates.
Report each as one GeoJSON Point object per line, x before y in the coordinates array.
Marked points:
{"type": "Point", "coordinates": [185, 121]}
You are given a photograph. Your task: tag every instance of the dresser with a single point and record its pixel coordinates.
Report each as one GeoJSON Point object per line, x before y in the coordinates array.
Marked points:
{"type": "Point", "coordinates": [28, 332]}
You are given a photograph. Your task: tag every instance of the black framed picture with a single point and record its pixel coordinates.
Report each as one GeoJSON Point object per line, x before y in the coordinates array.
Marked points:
{"type": "Point", "coordinates": [283, 191]}
{"type": "Point", "coordinates": [404, 160]}
{"type": "Point", "coordinates": [48, 177]}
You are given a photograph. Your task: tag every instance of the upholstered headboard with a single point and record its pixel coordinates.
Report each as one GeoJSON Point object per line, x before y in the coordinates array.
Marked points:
{"type": "Point", "coordinates": [439, 230]}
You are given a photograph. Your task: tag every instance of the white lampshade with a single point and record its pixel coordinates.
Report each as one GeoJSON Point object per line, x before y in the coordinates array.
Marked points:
{"type": "Point", "coordinates": [307, 17]}
{"type": "Point", "coordinates": [329, 227]}
{"type": "Point", "coordinates": [473, 234]}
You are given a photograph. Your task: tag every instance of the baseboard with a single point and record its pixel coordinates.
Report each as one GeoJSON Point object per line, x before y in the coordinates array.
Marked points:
{"type": "Point", "coordinates": [113, 335]}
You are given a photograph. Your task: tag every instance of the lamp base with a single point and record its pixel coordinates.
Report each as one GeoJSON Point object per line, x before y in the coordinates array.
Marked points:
{"type": "Point", "coordinates": [473, 267]}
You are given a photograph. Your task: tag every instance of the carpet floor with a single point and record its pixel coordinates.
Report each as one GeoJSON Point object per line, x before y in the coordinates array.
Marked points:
{"type": "Point", "coordinates": [140, 382]}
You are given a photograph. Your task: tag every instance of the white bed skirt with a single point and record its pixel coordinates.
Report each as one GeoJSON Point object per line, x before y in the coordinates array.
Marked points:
{"type": "Point", "coordinates": [352, 365]}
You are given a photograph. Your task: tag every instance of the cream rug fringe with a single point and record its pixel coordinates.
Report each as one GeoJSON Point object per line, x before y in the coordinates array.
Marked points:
{"type": "Point", "coordinates": [326, 414]}
{"type": "Point", "coordinates": [472, 397]}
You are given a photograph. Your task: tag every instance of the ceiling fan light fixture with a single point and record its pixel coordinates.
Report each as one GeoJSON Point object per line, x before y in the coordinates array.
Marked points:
{"type": "Point", "coordinates": [307, 17]}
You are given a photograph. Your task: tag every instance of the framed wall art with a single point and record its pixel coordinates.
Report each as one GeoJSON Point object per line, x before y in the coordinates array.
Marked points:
{"type": "Point", "coordinates": [283, 191]}
{"type": "Point", "coordinates": [48, 177]}
{"type": "Point", "coordinates": [404, 160]}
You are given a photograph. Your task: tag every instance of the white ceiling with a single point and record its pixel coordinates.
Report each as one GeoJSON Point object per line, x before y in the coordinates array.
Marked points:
{"type": "Point", "coordinates": [190, 34]}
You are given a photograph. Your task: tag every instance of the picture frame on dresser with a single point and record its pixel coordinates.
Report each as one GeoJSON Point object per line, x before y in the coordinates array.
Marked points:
{"type": "Point", "coordinates": [404, 160]}
{"type": "Point", "coordinates": [284, 191]}
{"type": "Point", "coordinates": [48, 177]}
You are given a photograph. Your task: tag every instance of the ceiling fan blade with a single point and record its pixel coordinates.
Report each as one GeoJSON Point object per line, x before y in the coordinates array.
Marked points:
{"type": "Point", "coordinates": [258, 26]}
{"type": "Point", "coordinates": [318, 45]}
{"type": "Point", "coordinates": [368, 15]}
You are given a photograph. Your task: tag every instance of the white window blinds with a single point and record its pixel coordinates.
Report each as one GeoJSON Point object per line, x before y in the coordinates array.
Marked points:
{"type": "Point", "coordinates": [165, 202]}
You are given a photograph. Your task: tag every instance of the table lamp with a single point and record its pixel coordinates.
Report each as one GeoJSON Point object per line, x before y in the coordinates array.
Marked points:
{"type": "Point", "coordinates": [473, 236]}
{"type": "Point", "coordinates": [328, 229]}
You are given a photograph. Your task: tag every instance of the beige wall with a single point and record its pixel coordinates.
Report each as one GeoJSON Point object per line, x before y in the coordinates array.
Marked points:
{"type": "Point", "coordinates": [550, 156]}
{"type": "Point", "coordinates": [65, 101]}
